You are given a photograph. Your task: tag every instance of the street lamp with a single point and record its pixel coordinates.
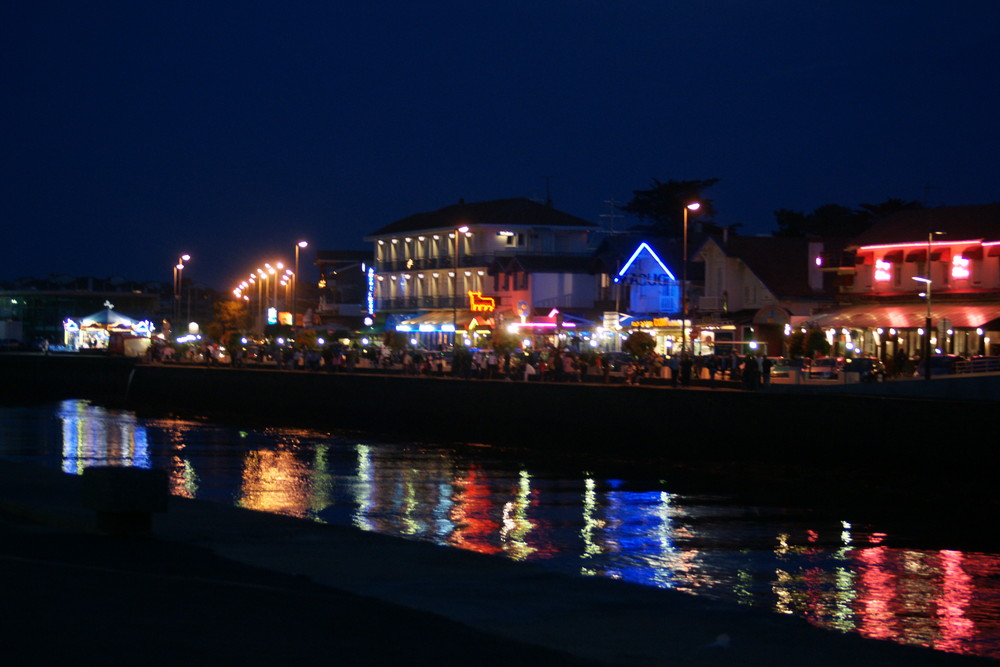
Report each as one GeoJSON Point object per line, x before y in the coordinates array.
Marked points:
{"type": "Point", "coordinates": [178, 284]}
{"type": "Point", "coordinates": [295, 280]}
{"type": "Point", "coordinates": [693, 206]}
{"type": "Point", "coordinates": [927, 296]}
{"type": "Point", "coordinates": [464, 229]}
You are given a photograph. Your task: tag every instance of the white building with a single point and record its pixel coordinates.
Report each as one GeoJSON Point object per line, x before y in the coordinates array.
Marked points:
{"type": "Point", "coordinates": [472, 267]}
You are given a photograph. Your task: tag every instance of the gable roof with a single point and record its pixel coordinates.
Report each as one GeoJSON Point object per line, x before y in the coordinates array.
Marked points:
{"type": "Point", "coordinates": [959, 223]}
{"type": "Point", "coordinates": [514, 212]}
{"type": "Point", "coordinates": [781, 263]}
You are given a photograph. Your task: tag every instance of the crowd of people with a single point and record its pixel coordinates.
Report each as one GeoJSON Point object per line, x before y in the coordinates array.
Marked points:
{"type": "Point", "coordinates": [548, 364]}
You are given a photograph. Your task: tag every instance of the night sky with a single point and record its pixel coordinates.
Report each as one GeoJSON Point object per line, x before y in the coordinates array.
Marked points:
{"type": "Point", "coordinates": [136, 131]}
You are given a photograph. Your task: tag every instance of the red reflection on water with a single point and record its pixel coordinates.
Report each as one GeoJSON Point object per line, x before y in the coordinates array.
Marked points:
{"type": "Point", "coordinates": [941, 599]}
{"type": "Point", "coordinates": [474, 527]}
{"type": "Point", "coordinates": [953, 604]}
{"type": "Point", "coordinates": [875, 594]}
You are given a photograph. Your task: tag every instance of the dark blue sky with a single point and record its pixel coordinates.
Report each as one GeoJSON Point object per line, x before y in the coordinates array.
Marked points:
{"type": "Point", "coordinates": [136, 131]}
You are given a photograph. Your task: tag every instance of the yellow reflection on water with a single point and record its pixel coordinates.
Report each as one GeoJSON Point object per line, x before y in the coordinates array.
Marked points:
{"type": "Point", "coordinates": [516, 525]}
{"type": "Point", "coordinates": [364, 489]}
{"type": "Point", "coordinates": [591, 522]}
{"type": "Point", "coordinates": [275, 481]}
{"type": "Point", "coordinates": [183, 479]}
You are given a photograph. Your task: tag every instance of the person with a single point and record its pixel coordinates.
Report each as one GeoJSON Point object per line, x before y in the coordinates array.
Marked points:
{"type": "Point", "coordinates": [900, 360]}
{"type": "Point", "coordinates": [712, 365]}
{"type": "Point", "coordinates": [765, 373]}
{"type": "Point", "coordinates": [686, 370]}
{"type": "Point", "coordinates": [631, 373]}
{"type": "Point", "coordinates": [492, 365]}
{"type": "Point", "coordinates": [751, 374]}
{"type": "Point", "coordinates": [675, 370]}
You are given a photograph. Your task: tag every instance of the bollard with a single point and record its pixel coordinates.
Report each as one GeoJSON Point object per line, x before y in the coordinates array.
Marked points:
{"type": "Point", "coordinates": [125, 498]}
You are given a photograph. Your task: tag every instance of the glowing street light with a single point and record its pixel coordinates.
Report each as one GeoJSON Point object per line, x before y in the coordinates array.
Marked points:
{"type": "Point", "coordinates": [178, 285]}
{"type": "Point", "coordinates": [295, 281]}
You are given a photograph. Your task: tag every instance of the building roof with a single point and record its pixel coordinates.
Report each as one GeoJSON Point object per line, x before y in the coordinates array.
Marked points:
{"type": "Point", "coordinates": [513, 212]}
{"type": "Point", "coordinates": [959, 223]}
{"type": "Point", "coordinates": [781, 263]}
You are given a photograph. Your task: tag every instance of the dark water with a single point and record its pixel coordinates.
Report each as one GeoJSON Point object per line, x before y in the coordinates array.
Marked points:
{"type": "Point", "coordinates": [836, 575]}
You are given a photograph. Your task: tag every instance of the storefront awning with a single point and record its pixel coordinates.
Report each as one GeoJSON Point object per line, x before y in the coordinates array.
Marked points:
{"type": "Point", "coordinates": [445, 319]}
{"type": "Point", "coordinates": [905, 316]}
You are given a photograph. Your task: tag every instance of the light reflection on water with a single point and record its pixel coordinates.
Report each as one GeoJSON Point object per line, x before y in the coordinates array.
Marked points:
{"type": "Point", "coordinates": [829, 573]}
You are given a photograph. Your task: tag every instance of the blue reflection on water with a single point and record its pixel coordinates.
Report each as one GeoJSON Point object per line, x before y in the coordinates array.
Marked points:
{"type": "Point", "coordinates": [831, 573]}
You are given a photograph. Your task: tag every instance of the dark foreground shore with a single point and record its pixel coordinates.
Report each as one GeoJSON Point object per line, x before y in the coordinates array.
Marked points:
{"type": "Point", "coordinates": [221, 585]}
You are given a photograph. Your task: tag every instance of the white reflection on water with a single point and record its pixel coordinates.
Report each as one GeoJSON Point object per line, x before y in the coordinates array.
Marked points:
{"type": "Point", "coordinates": [95, 436]}
{"type": "Point", "coordinates": [833, 574]}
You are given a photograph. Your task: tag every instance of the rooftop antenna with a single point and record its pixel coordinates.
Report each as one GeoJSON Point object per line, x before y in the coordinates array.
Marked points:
{"type": "Point", "coordinates": [612, 215]}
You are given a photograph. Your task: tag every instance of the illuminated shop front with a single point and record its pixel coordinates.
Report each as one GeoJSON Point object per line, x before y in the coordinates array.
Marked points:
{"type": "Point", "coordinates": [108, 330]}
{"type": "Point", "coordinates": [471, 325]}
{"type": "Point", "coordinates": [653, 295]}
{"type": "Point", "coordinates": [946, 275]}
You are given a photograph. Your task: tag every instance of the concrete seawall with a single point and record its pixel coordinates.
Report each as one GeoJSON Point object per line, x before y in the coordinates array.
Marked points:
{"type": "Point", "coordinates": [651, 421]}
{"type": "Point", "coordinates": [654, 422]}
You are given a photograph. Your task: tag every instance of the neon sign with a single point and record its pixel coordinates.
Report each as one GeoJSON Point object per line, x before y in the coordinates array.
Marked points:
{"type": "Point", "coordinates": [481, 304]}
{"type": "Point", "coordinates": [543, 325]}
{"type": "Point", "coordinates": [370, 295]}
{"type": "Point", "coordinates": [959, 267]}
{"type": "Point", "coordinates": [883, 270]}
{"type": "Point", "coordinates": [645, 246]}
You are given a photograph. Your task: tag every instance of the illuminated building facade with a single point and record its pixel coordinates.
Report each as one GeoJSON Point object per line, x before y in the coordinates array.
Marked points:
{"type": "Point", "coordinates": [640, 289]}
{"type": "Point", "coordinates": [342, 300]}
{"type": "Point", "coordinates": [941, 263]}
{"type": "Point", "coordinates": [468, 268]}
{"type": "Point", "coordinates": [757, 288]}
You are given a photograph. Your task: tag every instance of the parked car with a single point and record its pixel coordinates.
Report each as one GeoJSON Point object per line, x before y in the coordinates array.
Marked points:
{"type": "Point", "coordinates": [825, 368]}
{"type": "Point", "coordinates": [869, 369]}
{"type": "Point", "coordinates": [782, 367]}
{"type": "Point", "coordinates": [941, 364]}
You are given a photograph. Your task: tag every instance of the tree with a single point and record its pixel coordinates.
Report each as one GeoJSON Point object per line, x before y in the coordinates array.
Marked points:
{"type": "Point", "coordinates": [638, 344]}
{"type": "Point", "coordinates": [834, 220]}
{"type": "Point", "coordinates": [231, 316]}
{"type": "Point", "coordinates": [504, 342]}
{"type": "Point", "coordinates": [816, 343]}
{"type": "Point", "coordinates": [876, 212]}
{"type": "Point", "coordinates": [307, 340]}
{"type": "Point", "coordinates": [829, 220]}
{"type": "Point", "coordinates": [663, 204]}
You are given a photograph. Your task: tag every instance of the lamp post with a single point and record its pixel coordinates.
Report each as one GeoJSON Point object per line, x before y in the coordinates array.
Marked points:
{"type": "Point", "coordinates": [295, 281]}
{"type": "Point", "coordinates": [178, 284]}
{"type": "Point", "coordinates": [693, 206]}
{"type": "Point", "coordinates": [927, 295]}
{"type": "Point", "coordinates": [454, 297]}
